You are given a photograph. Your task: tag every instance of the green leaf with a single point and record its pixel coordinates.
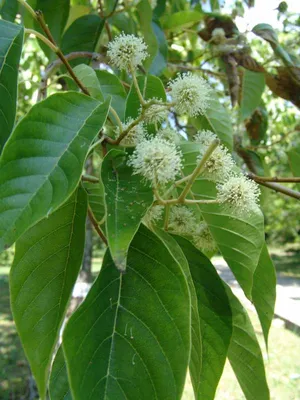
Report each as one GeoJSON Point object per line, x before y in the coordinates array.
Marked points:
{"type": "Point", "coordinates": [131, 336]}
{"type": "Point", "coordinates": [264, 291]}
{"type": "Point", "coordinates": [244, 353]}
{"type": "Point", "coordinates": [266, 32]}
{"type": "Point", "coordinates": [82, 35]}
{"type": "Point", "coordinates": [89, 79]}
{"type": "Point", "coordinates": [111, 86]}
{"type": "Point", "coordinates": [56, 13]}
{"type": "Point", "coordinates": [95, 192]}
{"type": "Point", "coordinates": [216, 119]}
{"type": "Point", "coordinates": [154, 89]}
{"type": "Point", "coordinates": [59, 388]}
{"type": "Point", "coordinates": [145, 19]}
{"type": "Point", "coordinates": [9, 10]}
{"type": "Point", "coordinates": [257, 125]}
{"type": "Point", "coordinates": [127, 199]}
{"type": "Point", "coordinates": [10, 53]}
{"type": "Point", "coordinates": [180, 20]}
{"type": "Point", "coordinates": [252, 88]}
{"type": "Point", "coordinates": [160, 61]}
{"type": "Point", "coordinates": [239, 238]}
{"type": "Point", "coordinates": [196, 350]}
{"type": "Point", "coordinates": [27, 19]}
{"type": "Point", "coordinates": [215, 320]}
{"type": "Point", "coordinates": [47, 261]}
{"type": "Point", "coordinates": [37, 177]}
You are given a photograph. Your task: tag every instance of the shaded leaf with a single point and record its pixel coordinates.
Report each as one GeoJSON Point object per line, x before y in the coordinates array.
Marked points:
{"type": "Point", "coordinates": [264, 291]}
{"type": "Point", "coordinates": [215, 320]}
{"type": "Point", "coordinates": [120, 342]}
{"type": "Point", "coordinates": [127, 199]}
{"type": "Point", "coordinates": [160, 60]}
{"type": "Point", "coordinates": [59, 385]}
{"type": "Point", "coordinates": [37, 177]}
{"type": "Point", "coordinates": [95, 194]}
{"type": "Point", "coordinates": [10, 53]}
{"type": "Point", "coordinates": [252, 88]}
{"type": "Point", "coordinates": [9, 10]}
{"type": "Point", "coordinates": [266, 32]}
{"type": "Point", "coordinates": [111, 86]}
{"type": "Point", "coordinates": [175, 250]}
{"type": "Point", "coordinates": [47, 261]}
{"type": "Point", "coordinates": [180, 20]}
{"type": "Point", "coordinates": [89, 79]}
{"type": "Point", "coordinates": [284, 85]}
{"type": "Point", "coordinates": [239, 238]}
{"type": "Point", "coordinates": [82, 35]}
{"type": "Point", "coordinates": [257, 125]}
{"type": "Point", "coordinates": [216, 119]}
{"type": "Point", "coordinates": [244, 353]}
{"type": "Point", "coordinates": [55, 20]}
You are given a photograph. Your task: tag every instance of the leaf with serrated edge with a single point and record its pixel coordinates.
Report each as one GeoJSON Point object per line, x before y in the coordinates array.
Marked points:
{"type": "Point", "coordinates": [239, 238]}
{"type": "Point", "coordinates": [10, 51]}
{"type": "Point", "coordinates": [43, 160]}
{"type": "Point", "coordinates": [127, 199]}
{"type": "Point", "coordinates": [196, 345]}
{"type": "Point", "coordinates": [215, 319]}
{"type": "Point", "coordinates": [244, 353]}
{"type": "Point", "coordinates": [59, 388]}
{"type": "Point", "coordinates": [130, 338]}
{"type": "Point", "coordinates": [47, 261]}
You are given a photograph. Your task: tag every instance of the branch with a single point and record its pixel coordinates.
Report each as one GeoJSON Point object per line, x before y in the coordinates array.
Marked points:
{"type": "Point", "coordinates": [89, 178]}
{"type": "Point", "coordinates": [273, 178]}
{"type": "Point", "coordinates": [42, 93]}
{"type": "Point", "coordinates": [278, 188]}
{"type": "Point", "coordinates": [96, 226]}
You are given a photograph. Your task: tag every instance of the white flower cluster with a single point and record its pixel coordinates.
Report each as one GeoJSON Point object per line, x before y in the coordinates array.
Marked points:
{"type": "Point", "coordinates": [190, 94]}
{"type": "Point", "coordinates": [169, 134]}
{"type": "Point", "coordinates": [182, 220]}
{"type": "Point", "coordinates": [127, 51]}
{"type": "Point", "coordinates": [135, 134]}
{"type": "Point", "coordinates": [239, 194]}
{"type": "Point", "coordinates": [156, 113]}
{"type": "Point", "coordinates": [203, 239]}
{"type": "Point", "coordinates": [157, 160]}
{"type": "Point", "coordinates": [155, 214]}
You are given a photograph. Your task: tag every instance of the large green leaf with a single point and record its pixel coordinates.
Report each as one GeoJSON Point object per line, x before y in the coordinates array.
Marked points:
{"type": "Point", "coordinates": [127, 199]}
{"type": "Point", "coordinates": [82, 35]}
{"type": "Point", "coordinates": [8, 10]}
{"type": "Point", "coordinates": [131, 336]}
{"type": "Point", "coordinates": [215, 320]}
{"type": "Point", "coordinates": [59, 388]}
{"type": "Point", "coordinates": [160, 61]}
{"type": "Point", "coordinates": [252, 88]}
{"type": "Point", "coordinates": [244, 353]}
{"type": "Point", "coordinates": [10, 53]}
{"type": "Point", "coordinates": [216, 119]}
{"type": "Point", "coordinates": [47, 261]}
{"type": "Point", "coordinates": [111, 86]}
{"type": "Point", "coordinates": [151, 86]}
{"type": "Point", "coordinates": [264, 291]}
{"type": "Point", "coordinates": [145, 18]}
{"type": "Point", "coordinates": [240, 238]}
{"type": "Point", "coordinates": [89, 79]}
{"type": "Point", "coordinates": [39, 175]}
{"type": "Point", "coordinates": [181, 19]}
{"type": "Point", "coordinates": [56, 14]}
{"type": "Point", "coordinates": [196, 350]}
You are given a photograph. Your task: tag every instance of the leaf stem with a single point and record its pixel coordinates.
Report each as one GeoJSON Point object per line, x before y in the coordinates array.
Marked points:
{"type": "Point", "coordinates": [89, 178]}
{"type": "Point", "coordinates": [198, 169]}
{"type": "Point", "coordinates": [96, 226]}
{"type": "Point", "coordinates": [136, 85]}
{"type": "Point", "coordinates": [273, 178]}
{"type": "Point", "coordinates": [115, 114]}
{"type": "Point", "coordinates": [28, 8]}
{"type": "Point", "coordinates": [42, 38]}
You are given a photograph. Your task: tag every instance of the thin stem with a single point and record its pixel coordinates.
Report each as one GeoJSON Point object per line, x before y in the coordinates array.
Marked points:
{"type": "Point", "coordinates": [166, 222]}
{"type": "Point", "coordinates": [96, 144]}
{"type": "Point", "coordinates": [279, 188]}
{"type": "Point", "coordinates": [42, 38]}
{"type": "Point", "coordinates": [115, 114]}
{"type": "Point", "coordinates": [96, 226]}
{"type": "Point", "coordinates": [188, 201]}
{"type": "Point", "coordinates": [198, 169]}
{"type": "Point", "coordinates": [136, 85]}
{"type": "Point", "coordinates": [28, 8]}
{"type": "Point", "coordinates": [274, 178]}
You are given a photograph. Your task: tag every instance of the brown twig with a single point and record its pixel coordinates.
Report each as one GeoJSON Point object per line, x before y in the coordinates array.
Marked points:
{"type": "Point", "coordinates": [278, 188]}
{"type": "Point", "coordinates": [89, 178]}
{"type": "Point", "coordinates": [96, 226]}
{"type": "Point", "coordinates": [274, 178]}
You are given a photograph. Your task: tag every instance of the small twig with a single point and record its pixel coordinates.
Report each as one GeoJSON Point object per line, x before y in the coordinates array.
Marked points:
{"type": "Point", "coordinates": [279, 188]}
{"type": "Point", "coordinates": [89, 178]}
{"type": "Point", "coordinates": [197, 171]}
{"type": "Point", "coordinates": [136, 85]}
{"type": "Point", "coordinates": [273, 178]}
{"type": "Point", "coordinates": [96, 226]}
{"type": "Point", "coordinates": [42, 38]}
